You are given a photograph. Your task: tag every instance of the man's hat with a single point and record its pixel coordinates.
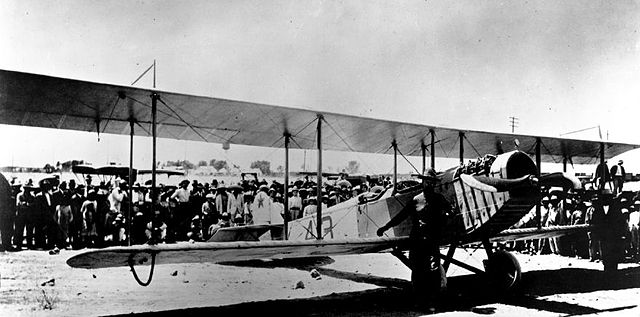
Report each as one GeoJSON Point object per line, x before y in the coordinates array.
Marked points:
{"type": "Point", "coordinates": [429, 175]}
{"type": "Point", "coordinates": [184, 182]}
{"type": "Point", "coordinates": [554, 198]}
{"type": "Point", "coordinates": [209, 196]}
{"type": "Point", "coordinates": [620, 161]}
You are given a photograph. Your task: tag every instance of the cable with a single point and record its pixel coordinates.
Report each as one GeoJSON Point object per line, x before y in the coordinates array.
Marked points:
{"type": "Point", "coordinates": [111, 114]}
{"type": "Point", "coordinates": [545, 147]}
{"type": "Point", "coordinates": [405, 158]}
{"type": "Point", "coordinates": [337, 134]}
{"type": "Point", "coordinates": [185, 122]}
{"type": "Point", "coordinates": [473, 147]}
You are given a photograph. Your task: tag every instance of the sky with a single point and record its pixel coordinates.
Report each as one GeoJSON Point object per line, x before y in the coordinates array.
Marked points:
{"type": "Point", "coordinates": [558, 66]}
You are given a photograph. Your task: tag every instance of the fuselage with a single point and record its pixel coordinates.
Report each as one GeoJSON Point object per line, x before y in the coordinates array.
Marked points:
{"type": "Point", "coordinates": [475, 213]}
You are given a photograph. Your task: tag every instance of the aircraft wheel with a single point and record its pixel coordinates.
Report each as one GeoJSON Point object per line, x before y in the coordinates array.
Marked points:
{"type": "Point", "coordinates": [503, 270]}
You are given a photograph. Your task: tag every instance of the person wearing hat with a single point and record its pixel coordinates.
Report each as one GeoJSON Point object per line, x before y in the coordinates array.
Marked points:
{"type": "Point", "coordinates": [235, 205]}
{"type": "Point", "coordinates": [45, 233]}
{"type": "Point", "coordinates": [295, 204]}
{"type": "Point", "coordinates": [601, 176]}
{"type": "Point", "coordinates": [613, 231]}
{"type": "Point", "coordinates": [634, 229]}
{"type": "Point", "coordinates": [554, 218]}
{"type": "Point", "coordinates": [428, 211]}
{"type": "Point", "coordinates": [24, 217]}
{"type": "Point", "coordinates": [88, 231]}
{"type": "Point", "coordinates": [222, 199]}
{"type": "Point", "coordinates": [210, 214]}
{"type": "Point", "coordinates": [261, 206]}
{"type": "Point", "coordinates": [617, 174]}
{"type": "Point", "coordinates": [182, 214]}
{"type": "Point", "coordinates": [312, 206]}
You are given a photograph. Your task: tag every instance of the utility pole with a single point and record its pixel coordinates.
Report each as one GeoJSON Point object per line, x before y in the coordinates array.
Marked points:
{"type": "Point", "coordinates": [513, 121]}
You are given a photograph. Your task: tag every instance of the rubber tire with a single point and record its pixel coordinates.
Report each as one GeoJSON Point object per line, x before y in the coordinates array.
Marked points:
{"type": "Point", "coordinates": [503, 271]}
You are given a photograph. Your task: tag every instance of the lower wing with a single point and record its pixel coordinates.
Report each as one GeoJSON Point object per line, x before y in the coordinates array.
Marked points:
{"type": "Point", "coordinates": [216, 252]}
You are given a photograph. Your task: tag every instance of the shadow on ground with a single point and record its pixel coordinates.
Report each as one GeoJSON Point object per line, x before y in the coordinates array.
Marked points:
{"type": "Point", "coordinates": [465, 293]}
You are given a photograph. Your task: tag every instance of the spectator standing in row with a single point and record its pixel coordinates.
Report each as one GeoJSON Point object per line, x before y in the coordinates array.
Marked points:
{"type": "Point", "coordinates": [617, 174]}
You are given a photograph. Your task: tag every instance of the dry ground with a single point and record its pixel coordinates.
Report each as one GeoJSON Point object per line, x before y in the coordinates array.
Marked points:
{"type": "Point", "coordinates": [365, 285]}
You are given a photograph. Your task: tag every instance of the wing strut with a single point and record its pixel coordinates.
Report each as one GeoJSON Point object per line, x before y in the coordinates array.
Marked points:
{"type": "Point", "coordinates": [154, 108]}
{"type": "Point", "coordinates": [319, 189]}
{"type": "Point", "coordinates": [538, 165]}
{"type": "Point", "coordinates": [433, 148]}
{"type": "Point", "coordinates": [131, 123]}
{"type": "Point", "coordinates": [395, 165]}
{"type": "Point", "coordinates": [286, 186]}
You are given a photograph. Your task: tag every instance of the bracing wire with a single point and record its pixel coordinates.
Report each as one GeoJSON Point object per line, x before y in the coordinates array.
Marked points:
{"type": "Point", "coordinates": [183, 121]}
{"type": "Point", "coordinates": [345, 142]}
{"type": "Point", "coordinates": [115, 104]}
{"type": "Point", "coordinates": [547, 149]}
{"type": "Point", "coordinates": [406, 159]}
{"type": "Point", "coordinates": [446, 154]}
{"type": "Point", "coordinates": [338, 134]}
{"type": "Point", "coordinates": [473, 147]}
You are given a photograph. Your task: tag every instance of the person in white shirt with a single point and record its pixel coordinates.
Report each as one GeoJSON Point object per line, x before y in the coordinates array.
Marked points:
{"type": "Point", "coordinates": [617, 174]}
{"type": "Point", "coordinates": [182, 215]}
{"type": "Point", "coordinates": [295, 204]}
{"type": "Point", "coordinates": [262, 206]}
{"type": "Point", "coordinates": [116, 197]}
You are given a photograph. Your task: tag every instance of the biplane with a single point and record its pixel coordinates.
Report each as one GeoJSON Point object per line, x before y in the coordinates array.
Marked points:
{"type": "Point", "coordinates": [488, 198]}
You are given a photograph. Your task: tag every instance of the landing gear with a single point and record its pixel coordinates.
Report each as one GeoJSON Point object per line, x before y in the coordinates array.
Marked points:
{"type": "Point", "coordinates": [503, 270]}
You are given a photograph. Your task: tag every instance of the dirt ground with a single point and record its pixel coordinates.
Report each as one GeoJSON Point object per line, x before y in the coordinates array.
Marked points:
{"type": "Point", "coordinates": [34, 283]}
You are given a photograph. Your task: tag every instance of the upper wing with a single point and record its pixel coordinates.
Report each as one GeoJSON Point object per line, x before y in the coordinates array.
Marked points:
{"type": "Point", "coordinates": [217, 252]}
{"type": "Point", "coordinates": [535, 233]}
{"type": "Point", "coordinates": [52, 102]}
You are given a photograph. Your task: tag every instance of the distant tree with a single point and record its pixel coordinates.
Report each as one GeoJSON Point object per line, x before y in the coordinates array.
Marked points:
{"type": "Point", "coordinates": [212, 162]}
{"type": "Point", "coordinates": [187, 165]}
{"type": "Point", "coordinates": [202, 163]}
{"type": "Point", "coordinates": [218, 165]}
{"type": "Point", "coordinates": [353, 167]}
{"type": "Point", "coordinates": [280, 170]}
{"type": "Point", "coordinates": [263, 166]}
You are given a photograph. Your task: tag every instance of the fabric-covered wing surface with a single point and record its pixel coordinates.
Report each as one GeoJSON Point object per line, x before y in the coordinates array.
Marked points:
{"type": "Point", "coordinates": [51, 102]}
{"type": "Point", "coordinates": [217, 252]}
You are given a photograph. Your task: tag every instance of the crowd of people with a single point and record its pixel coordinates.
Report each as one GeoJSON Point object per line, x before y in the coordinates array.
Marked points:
{"type": "Point", "coordinates": [59, 214]}
{"type": "Point", "coordinates": [56, 215]}
{"type": "Point", "coordinates": [616, 219]}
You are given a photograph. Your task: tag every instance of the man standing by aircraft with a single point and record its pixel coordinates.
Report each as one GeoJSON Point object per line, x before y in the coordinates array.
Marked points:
{"type": "Point", "coordinates": [617, 174]}
{"type": "Point", "coordinates": [428, 211]}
